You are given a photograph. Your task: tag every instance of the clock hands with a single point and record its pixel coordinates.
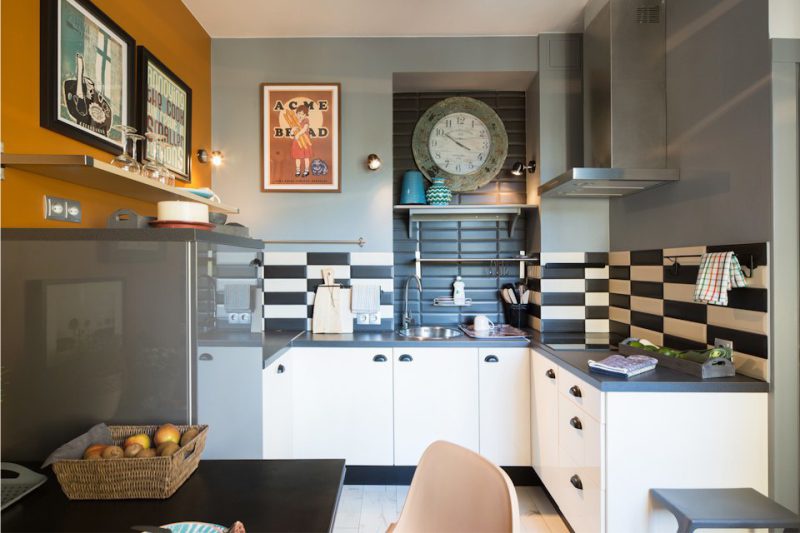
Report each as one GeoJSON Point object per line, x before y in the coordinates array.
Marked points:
{"type": "Point", "coordinates": [465, 147]}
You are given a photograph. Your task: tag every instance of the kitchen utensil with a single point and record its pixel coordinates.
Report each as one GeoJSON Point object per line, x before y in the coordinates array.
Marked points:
{"type": "Point", "coordinates": [413, 188]}
{"type": "Point", "coordinates": [20, 481]}
{"type": "Point", "coordinates": [332, 311]}
{"type": "Point", "coordinates": [482, 323]}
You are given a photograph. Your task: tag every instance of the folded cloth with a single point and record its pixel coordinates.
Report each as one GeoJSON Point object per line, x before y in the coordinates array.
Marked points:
{"type": "Point", "coordinates": [619, 365]}
{"type": "Point", "coordinates": [719, 273]}
{"type": "Point", "coordinates": [366, 299]}
{"type": "Point", "coordinates": [98, 434]}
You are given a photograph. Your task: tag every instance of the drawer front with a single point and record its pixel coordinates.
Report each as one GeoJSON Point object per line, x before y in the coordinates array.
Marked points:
{"type": "Point", "coordinates": [581, 394]}
{"type": "Point", "coordinates": [580, 439]}
{"type": "Point", "coordinates": [582, 507]}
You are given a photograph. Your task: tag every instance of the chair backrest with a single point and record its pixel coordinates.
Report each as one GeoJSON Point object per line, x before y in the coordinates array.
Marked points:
{"type": "Point", "coordinates": [456, 490]}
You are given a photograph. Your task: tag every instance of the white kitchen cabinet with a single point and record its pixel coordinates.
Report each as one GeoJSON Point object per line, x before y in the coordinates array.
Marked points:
{"type": "Point", "coordinates": [229, 400]}
{"type": "Point", "coordinates": [435, 397]}
{"type": "Point", "coordinates": [505, 405]}
{"type": "Point", "coordinates": [544, 416]}
{"type": "Point", "coordinates": [599, 453]}
{"type": "Point", "coordinates": [277, 408]}
{"type": "Point", "coordinates": [342, 406]}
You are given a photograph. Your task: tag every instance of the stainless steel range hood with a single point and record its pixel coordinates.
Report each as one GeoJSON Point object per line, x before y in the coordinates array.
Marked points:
{"type": "Point", "coordinates": [624, 101]}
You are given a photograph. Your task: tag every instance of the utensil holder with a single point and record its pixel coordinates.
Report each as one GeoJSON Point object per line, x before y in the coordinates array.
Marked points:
{"type": "Point", "coordinates": [516, 314]}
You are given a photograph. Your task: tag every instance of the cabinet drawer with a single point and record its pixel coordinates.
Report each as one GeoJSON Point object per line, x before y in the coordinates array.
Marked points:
{"type": "Point", "coordinates": [582, 507]}
{"type": "Point", "coordinates": [580, 439]}
{"type": "Point", "coordinates": [581, 394]}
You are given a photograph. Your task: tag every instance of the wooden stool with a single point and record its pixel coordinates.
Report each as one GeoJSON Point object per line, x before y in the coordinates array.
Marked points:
{"type": "Point", "coordinates": [725, 508]}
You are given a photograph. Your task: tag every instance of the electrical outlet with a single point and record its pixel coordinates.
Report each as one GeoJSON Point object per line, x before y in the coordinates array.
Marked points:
{"type": "Point", "coordinates": [375, 318]}
{"type": "Point", "coordinates": [74, 211]}
{"type": "Point", "coordinates": [362, 318]}
{"type": "Point", "coordinates": [55, 208]}
{"type": "Point", "coordinates": [244, 318]}
{"type": "Point", "coordinates": [233, 318]}
{"type": "Point", "coordinates": [723, 343]}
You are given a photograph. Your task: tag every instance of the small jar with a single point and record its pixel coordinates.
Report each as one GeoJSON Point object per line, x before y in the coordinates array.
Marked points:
{"type": "Point", "coordinates": [438, 193]}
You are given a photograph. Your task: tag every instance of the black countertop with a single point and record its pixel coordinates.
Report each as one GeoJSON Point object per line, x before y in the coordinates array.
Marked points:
{"type": "Point", "coordinates": [298, 495]}
{"type": "Point", "coordinates": [575, 361]}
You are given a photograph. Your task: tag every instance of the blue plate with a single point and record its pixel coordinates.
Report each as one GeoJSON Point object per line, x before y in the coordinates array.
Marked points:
{"type": "Point", "coordinates": [195, 527]}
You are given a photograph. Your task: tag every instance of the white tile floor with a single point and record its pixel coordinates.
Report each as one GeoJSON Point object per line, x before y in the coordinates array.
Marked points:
{"type": "Point", "coordinates": [371, 508]}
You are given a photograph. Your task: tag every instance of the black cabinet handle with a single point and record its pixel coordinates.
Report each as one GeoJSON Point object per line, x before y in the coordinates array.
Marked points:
{"type": "Point", "coordinates": [575, 391]}
{"type": "Point", "coordinates": [576, 482]}
{"type": "Point", "coordinates": [405, 358]}
{"type": "Point", "coordinates": [550, 374]}
{"type": "Point", "coordinates": [281, 369]}
{"type": "Point", "coordinates": [206, 357]}
{"type": "Point", "coordinates": [575, 422]}
{"type": "Point", "coordinates": [491, 359]}
{"type": "Point", "coordinates": [380, 358]}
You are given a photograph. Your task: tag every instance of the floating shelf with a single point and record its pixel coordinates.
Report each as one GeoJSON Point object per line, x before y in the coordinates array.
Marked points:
{"type": "Point", "coordinates": [89, 172]}
{"type": "Point", "coordinates": [424, 213]}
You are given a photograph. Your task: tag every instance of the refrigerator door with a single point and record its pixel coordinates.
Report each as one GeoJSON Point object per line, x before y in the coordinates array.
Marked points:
{"type": "Point", "coordinates": [93, 331]}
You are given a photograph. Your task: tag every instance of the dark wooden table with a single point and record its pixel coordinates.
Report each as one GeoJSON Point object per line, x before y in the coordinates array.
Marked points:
{"type": "Point", "coordinates": [265, 496]}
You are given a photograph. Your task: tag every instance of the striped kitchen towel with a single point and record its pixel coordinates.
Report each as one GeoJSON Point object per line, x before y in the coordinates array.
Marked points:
{"type": "Point", "coordinates": [719, 273]}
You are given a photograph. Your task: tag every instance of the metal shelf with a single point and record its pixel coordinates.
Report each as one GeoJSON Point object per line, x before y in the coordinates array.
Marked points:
{"type": "Point", "coordinates": [424, 213]}
{"type": "Point", "coordinates": [89, 172]}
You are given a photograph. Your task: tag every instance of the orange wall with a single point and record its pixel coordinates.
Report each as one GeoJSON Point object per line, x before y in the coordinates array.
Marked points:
{"type": "Point", "coordinates": [166, 28]}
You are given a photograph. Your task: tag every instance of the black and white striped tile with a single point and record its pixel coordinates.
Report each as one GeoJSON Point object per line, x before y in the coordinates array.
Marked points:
{"type": "Point", "coordinates": [649, 298]}
{"type": "Point", "coordinates": [291, 280]}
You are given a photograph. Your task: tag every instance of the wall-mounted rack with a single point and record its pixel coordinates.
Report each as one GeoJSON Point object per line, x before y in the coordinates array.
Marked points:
{"type": "Point", "coordinates": [87, 171]}
{"type": "Point", "coordinates": [361, 241]}
{"type": "Point", "coordinates": [522, 260]}
{"type": "Point", "coordinates": [676, 265]}
{"type": "Point", "coordinates": [423, 213]}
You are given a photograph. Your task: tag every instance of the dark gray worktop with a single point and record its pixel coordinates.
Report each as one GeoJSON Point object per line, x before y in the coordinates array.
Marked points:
{"type": "Point", "coordinates": [125, 234]}
{"type": "Point", "coordinates": [574, 361]}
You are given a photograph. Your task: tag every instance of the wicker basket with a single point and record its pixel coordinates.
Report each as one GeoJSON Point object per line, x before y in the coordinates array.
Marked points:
{"type": "Point", "coordinates": [129, 478]}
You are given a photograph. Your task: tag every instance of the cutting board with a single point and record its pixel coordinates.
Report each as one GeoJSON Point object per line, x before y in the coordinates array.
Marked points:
{"type": "Point", "coordinates": [332, 313]}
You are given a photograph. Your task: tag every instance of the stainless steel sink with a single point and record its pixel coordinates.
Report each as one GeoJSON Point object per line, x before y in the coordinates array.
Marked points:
{"type": "Point", "coordinates": [429, 333]}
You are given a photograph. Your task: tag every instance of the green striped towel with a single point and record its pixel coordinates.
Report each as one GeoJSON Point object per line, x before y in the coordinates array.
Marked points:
{"type": "Point", "coordinates": [719, 273]}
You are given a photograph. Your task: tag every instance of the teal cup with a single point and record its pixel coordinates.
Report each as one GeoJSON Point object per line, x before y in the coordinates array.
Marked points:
{"type": "Point", "coordinates": [413, 189]}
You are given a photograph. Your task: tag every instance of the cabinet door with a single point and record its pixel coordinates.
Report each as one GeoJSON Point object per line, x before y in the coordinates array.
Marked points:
{"type": "Point", "coordinates": [505, 405]}
{"type": "Point", "coordinates": [544, 417]}
{"type": "Point", "coordinates": [229, 401]}
{"type": "Point", "coordinates": [435, 397]}
{"type": "Point", "coordinates": [277, 408]}
{"type": "Point", "coordinates": [343, 405]}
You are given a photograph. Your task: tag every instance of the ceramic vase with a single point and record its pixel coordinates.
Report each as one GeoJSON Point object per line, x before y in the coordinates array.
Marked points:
{"type": "Point", "coordinates": [413, 191]}
{"type": "Point", "coordinates": [438, 193]}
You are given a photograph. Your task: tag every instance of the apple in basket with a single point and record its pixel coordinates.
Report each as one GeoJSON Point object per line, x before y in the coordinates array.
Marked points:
{"type": "Point", "coordinates": [167, 433]}
{"type": "Point", "coordinates": [142, 439]}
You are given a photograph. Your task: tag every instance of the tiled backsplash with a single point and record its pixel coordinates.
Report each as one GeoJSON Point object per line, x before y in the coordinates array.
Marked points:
{"type": "Point", "coordinates": [569, 299]}
{"type": "Point", "coordinates": [291, 279]}
{"type": "Point", "coordinates": [648, 299]}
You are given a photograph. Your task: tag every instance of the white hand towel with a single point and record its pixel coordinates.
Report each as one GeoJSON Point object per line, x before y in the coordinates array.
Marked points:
{"type": "Point", "coordinates": [366, 299]}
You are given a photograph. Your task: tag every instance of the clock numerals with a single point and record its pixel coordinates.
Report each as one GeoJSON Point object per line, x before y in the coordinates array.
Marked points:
{"type": "Point", "coordinates": [461, 119]}
{"type": "Point", "coordinates": [459, 143]}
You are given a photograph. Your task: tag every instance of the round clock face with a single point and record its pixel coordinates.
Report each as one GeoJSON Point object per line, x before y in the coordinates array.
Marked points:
{"type": "Point", "coordinates": [459, 143]}
{"type": "Point", "coordinates": [462, 140]}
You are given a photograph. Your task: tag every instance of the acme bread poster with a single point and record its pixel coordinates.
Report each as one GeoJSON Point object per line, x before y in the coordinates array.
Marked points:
{"type": "Point", "coordinates": [300, 136]}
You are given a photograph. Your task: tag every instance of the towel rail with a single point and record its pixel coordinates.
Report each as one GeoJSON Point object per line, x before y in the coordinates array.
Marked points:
{"type": "Point", "coordinates": [361, 241]}
{"type": "Point", "coordinates": [676, 265]}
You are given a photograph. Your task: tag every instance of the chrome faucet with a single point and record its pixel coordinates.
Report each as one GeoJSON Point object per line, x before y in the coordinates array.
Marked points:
{"type": "Point", "coordinates": [407, 319]}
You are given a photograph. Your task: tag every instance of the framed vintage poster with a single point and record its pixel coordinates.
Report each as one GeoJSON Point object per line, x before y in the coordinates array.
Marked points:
{"type": "Point", "coordinates": [300, 137]}
{"type": "Point", "coordinates": [86, 74]}
{"type": "Point", "coordinates": [164, 106]}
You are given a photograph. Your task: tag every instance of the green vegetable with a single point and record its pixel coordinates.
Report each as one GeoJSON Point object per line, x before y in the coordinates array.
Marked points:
{"type": "Point", "coordinates": [635, 344]}
{"type": "Point", "coordinates": [668, 352]}
{"type": "Point", "coordinates": [650, 348]}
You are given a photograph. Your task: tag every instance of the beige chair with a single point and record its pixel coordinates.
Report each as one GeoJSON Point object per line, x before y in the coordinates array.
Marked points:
{"type": "Point", "coordinates": [455, 490]}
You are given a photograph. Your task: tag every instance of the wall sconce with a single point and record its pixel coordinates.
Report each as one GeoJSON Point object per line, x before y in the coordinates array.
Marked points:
{"type": "Point", "coordinates": [519, 168]}
{"type": "Point", "coordinates": [374, 162]}
{"type": "Point", "coordinates": [215, 158]}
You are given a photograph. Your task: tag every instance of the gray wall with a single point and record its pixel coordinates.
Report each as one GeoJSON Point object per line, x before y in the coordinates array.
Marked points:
{"type": "Point", "coordinates": [364, 67]}
{"type": "Point", "coordinates": [718, 131]}
{"type": "Point", "coordinates": [567, 225]}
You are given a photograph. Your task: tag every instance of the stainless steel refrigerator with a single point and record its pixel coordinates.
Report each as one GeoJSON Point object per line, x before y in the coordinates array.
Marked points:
{"type": "Point", "coordinates": [101, 325]}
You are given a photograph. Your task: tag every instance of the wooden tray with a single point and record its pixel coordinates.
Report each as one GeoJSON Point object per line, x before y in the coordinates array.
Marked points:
{"type": "Point", "coordinates": [713, 368]}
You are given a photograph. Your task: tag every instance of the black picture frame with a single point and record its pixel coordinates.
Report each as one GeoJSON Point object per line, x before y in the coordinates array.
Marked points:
{"type": "Point", "coordinates": [145, 58]}
{"type": "Point", "coordinates": [52, 94]}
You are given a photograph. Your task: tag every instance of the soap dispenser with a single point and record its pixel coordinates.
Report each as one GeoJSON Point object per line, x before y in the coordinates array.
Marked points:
{"type": "Point", "coordinates": [459, 295]}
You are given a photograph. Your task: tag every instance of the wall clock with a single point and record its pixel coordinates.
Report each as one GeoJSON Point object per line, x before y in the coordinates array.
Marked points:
{"type": "Point", "coordinates": [462, 140]}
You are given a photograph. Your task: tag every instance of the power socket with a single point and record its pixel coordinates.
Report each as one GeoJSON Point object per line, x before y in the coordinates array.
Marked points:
{"type": "Point", "coordinates": [375, 318]}
{"type": "Point", "coordinates": [723, 343]}
{"type": "Point", "coordinates": [233, 318]}
{"type": "Point", "coordinates": [62, 209]}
